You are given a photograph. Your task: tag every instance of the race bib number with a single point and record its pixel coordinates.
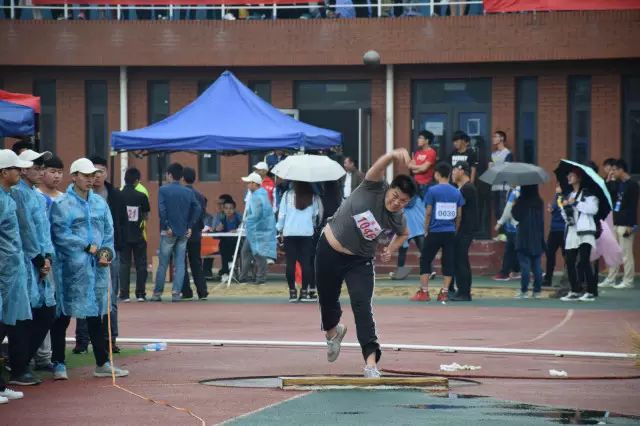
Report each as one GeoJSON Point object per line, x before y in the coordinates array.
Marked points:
{"type": "Point", "coordinates": [446, 211]}
{"type": "Point", "coordinates": [368, 225]}
{"type": "Point", "coordinates": [133, 213]}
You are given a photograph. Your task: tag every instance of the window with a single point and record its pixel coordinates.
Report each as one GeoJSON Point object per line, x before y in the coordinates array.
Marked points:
{"type": "Point", "coordinates": [579, 118]}
{"type": "Point", "coordinates": [46, 89]}
{"type": "Point", "coordinates": [96, 116]}
{"type": "Point", "coordinates": [208, 162]}
{"type": "Point", "coordinates": [527, 119]}
{"type": "Point", "coordinates": [631, 122]}
{"type": "Point", "coordinates": [158, 109]}
{"type": "Point", "coordinates": [262, 89]}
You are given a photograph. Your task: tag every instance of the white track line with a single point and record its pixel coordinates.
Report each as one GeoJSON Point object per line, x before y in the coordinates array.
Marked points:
{"type": "Point", "coordinates": [544, 334]}
{"type": "Point", "coordinates": [250, 413]}
{"type": "Point", "coordinates": [392, 346]}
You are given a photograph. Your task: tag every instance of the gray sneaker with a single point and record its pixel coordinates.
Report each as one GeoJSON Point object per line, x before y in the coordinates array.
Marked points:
{"type": "Point", "coordinates": [333, 345]}
{"type": "Point", "coordinates": [105, 371]}
{"type": "Point", "coordinates": [372, 372]}
{"type": "Point", "coordinates": [156, 298]}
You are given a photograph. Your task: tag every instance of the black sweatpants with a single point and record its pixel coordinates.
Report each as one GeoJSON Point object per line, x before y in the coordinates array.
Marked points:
{"type": "Point", "coordinates": [139, 253]}
{"type": "Point", "coordinates": [18, 335]}
{"type": "Point", "coordinates": [555, 241]}
{"type": "Point", "coordinates": [432, 244]}
{"type": "Point", "coordinates": [97, 327]}
{"type": "Point", "coordinates": [40, 325]}
{"type": "Point", "coordinates": [299, 249]}
{"type": "Point", "coordinates": [195, 263]}
{"type": "Point", "coordinates": [332, 268]}
{"type": "Point", "coordinates": [580, 270]}
{"type": "Point", "coordinates": [462, 265]}
{"type": "Point", "coordinates": [402, 252]}
{"type": "Point", "coordinates": [227, 248]}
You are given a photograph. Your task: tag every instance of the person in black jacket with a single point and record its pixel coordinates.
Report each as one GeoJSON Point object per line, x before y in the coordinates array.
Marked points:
{"type": "Point", "coordinates": [113, 196]}
{"type": "Point", "coordinates": [464, 235]}
{"type": "Point", "coordinates": [194, 244]}
{"type": "Point", "coordinates": [528, 210]}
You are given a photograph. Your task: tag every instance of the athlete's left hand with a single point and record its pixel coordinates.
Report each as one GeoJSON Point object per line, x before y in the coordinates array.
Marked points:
{"type": "Point", "coordinates": [386, 255]}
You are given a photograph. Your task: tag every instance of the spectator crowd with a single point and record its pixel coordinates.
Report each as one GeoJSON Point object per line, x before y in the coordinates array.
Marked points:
{"type": "Point", "coordinates": [68, 252]}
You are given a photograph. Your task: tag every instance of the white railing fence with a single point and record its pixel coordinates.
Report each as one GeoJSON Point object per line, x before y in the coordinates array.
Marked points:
{"type": "Point", "coordinates": [23, 9]}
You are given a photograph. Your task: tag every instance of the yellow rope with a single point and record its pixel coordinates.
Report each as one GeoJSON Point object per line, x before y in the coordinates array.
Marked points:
{"type": "Point", "coordinates": [113, 373]}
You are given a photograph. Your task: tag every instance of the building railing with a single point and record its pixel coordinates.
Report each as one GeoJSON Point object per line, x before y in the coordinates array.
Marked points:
{"type": "Point", "coordinates": [24, 9]}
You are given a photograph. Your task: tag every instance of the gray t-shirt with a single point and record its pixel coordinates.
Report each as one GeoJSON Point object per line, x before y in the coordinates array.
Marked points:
{"type": "Point", "coordinates": [362, 218]}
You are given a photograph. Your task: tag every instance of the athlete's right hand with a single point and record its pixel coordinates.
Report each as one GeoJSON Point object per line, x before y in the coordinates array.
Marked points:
{"type": "Point", "coordinates": [401, 154]}
{"type": "Point", "coordinates": [386, 255]}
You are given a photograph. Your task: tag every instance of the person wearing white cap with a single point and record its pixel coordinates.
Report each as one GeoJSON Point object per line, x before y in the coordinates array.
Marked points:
{"type": "Point", "coordinates": [82, 233]}
{"type": "Point", "coordinates": [37, 251]}
{"type": "Point", "coordinates": [262, 169]}
{"type": "Point", "coordinates": [260, 223]}
{"type": "Point", "coordinates": [15, 311]}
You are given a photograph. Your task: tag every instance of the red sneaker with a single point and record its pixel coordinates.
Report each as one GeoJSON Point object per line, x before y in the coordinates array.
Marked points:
{"type": "Point", "coordinates": [421, 296]}
{"type": "Point", "coordinates": [501, 277]}
{"type": "Point", "coordinates": [443, 296]}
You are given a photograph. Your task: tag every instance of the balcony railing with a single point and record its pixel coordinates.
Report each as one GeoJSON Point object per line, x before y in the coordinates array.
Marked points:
{"type": "Point", "coordinates": [23, 9]}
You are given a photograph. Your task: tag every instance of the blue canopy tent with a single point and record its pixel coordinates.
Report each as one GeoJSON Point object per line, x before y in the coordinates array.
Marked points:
{"type": "Point", "coordinates": [18, 114]}
{"type": "Point", "coordinates": [227, 117]}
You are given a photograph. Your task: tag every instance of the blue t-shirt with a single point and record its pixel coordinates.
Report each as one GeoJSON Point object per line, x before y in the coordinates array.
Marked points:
{"type": "Point", "coordinates": [444, 200]}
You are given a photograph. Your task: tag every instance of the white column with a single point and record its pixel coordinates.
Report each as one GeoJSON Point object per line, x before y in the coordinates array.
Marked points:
{"type": "Point", "coordinates": [389, 118]}
{"type": "Point", "coordinates": [124, 123]}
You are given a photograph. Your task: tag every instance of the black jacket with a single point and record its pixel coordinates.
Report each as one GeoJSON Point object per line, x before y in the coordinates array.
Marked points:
{"type": "Point", "coordinates": [119, 216]}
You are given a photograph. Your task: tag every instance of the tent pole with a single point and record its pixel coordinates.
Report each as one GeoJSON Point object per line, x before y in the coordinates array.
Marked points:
{"type": "Point", "coordinates": [389, 118]}
{"type": "Point", "coordinates": [124, 122]}
{"type": "Point", "coordinates": [235, 253]}
{"type": "Point", "coordinates": [160, 155]}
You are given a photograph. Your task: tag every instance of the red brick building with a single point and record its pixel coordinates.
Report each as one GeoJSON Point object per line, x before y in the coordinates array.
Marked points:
{"type": "Point", "coordinates": [561, 85]}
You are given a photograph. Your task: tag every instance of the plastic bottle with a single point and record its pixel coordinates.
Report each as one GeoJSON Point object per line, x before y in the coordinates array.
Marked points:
{"type": "Point", "coordinates": [154, 347]}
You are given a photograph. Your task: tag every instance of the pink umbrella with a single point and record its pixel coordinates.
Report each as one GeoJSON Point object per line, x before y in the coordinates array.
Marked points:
{"type": "Point", "coordinates": [607, 246]}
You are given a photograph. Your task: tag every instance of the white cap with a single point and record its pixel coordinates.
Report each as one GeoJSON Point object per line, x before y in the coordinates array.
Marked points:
{"type": "Point", "coordinates": [8, 158]}
{"type": "Point", "coordinates": [84, 166]}
{"type": "Point", "coordinates": [253, 177]}
{"type": "Point", "coordinates": [31, 155]}
{"type": "Point", "coordinates": [261, 166]}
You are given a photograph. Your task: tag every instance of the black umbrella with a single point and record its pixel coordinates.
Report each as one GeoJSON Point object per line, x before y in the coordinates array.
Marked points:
{"type": "Point", "coordinates": [590, 181]}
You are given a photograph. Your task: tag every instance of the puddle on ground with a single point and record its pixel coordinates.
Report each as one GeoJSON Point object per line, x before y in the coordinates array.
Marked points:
{"type": "Point", "coordinates": [519, 410]}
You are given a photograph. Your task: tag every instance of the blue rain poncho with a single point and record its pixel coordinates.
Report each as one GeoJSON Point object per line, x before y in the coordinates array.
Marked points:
{"type": "Point", "coordinates": [261, 225]}
{"type": "Point", "coordinates": [14, 295]}
{"type": "Point", "coordinates": [81, 285]}
{"type": "Point", "coordinates": [414, 213]}
{"type": "Point", "coordinates": [36, 242]}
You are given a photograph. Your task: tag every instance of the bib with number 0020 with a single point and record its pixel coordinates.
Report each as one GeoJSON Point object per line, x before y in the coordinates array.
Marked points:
{"type": "Point", "coordinates": [446, 211]}
{"type": "Point", "coordinates": [368, 225]}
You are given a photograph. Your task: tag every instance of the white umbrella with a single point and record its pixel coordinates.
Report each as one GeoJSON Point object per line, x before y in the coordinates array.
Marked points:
{"type": "Point", "coordinates": [308, 168]}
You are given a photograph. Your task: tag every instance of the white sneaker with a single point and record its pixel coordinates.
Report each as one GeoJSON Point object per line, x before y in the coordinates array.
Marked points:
{"type": "Point", "coordinates": [333, 344]}
{"type": "Point", "coordinates": [606, 284]}
{"type": "Point", "coordinates": [10, 394]}
{"type": "Point", "coordinates": [4, 400]}
{"type": "Point", "coordinates": [623, 285]}
{"type": "Point", "coordinates": [587, 297]}
{"type": "Point", "coordinates": [571, 297]}
{"type": "Point", "coordinates": [372, 372]}
{"type": "Point", "coordinates": [521, 295]}
{"type": "Point", "coordinates": [105, 371]}
{"type": "Point", "coordinates": [224, 278]}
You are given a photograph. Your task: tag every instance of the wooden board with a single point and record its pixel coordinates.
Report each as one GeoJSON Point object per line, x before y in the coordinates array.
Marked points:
{"type": "Point", "coordinates": [426, 382]}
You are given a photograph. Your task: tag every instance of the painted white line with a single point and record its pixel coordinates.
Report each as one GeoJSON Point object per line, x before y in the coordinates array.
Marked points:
{"type": "Point", "coordinates": [393, 346]}
{"type": "Point", "coordinates": [544, 334]}
{"type": "Point", "coordinates": [266, 407]}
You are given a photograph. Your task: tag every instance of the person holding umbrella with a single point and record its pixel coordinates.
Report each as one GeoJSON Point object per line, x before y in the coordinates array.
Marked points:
{"type": "Point", "coordinates": [579, 211]}
{"type": "Point", "coordinates": [299, 214]}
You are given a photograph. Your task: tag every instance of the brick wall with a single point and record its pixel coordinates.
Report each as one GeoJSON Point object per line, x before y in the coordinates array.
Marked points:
{"type": "Point", "coordinates": [552, 106]}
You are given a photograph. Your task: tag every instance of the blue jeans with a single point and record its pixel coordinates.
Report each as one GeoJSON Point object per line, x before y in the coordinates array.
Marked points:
{"type": "Point", "coordinates": [168, 246]}
{"type": "Point", "coordinates": [530, 264]}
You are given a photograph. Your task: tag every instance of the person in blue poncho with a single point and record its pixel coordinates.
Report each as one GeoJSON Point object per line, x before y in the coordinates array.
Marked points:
{"type": "Point", "coordinates": [260, 225]}
{"type": "Point", "coordinates": [82, 234]}
{"type": "Point", "coordinates": [15, 314]}
{"type": "Point", "coordinates": [414, 214]}
{"type": "Point", "coordinates": [37, 248]}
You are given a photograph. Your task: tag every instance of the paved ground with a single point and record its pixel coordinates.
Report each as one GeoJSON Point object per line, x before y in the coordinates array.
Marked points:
{"type": "Point", "coordinates": [174, 375]}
